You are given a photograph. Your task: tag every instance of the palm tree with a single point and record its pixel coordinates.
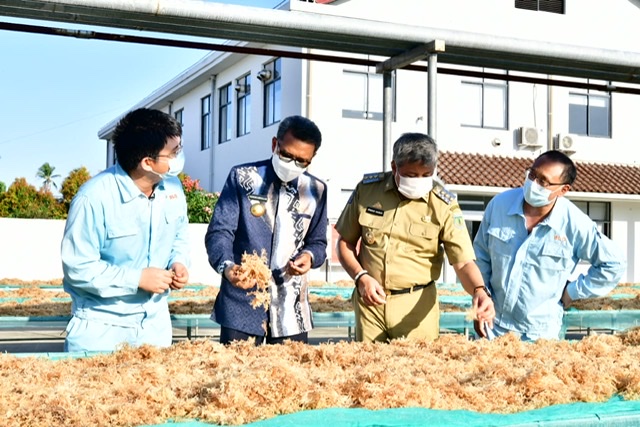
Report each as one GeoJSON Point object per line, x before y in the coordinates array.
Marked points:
{"type": "Point", "coordinates": [45, 173]}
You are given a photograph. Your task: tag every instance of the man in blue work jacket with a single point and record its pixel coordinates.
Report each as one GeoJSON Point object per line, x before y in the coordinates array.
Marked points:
{"type": "Point", "coordinates": [125, 243]}
{"type": "Point", "coordinates": [273, 205]}
{"type": "Point", "coordinates": [530, 240]}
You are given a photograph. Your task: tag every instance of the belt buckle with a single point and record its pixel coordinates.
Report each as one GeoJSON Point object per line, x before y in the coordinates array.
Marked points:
{"type": "Point", "coordinates": [387, 292]}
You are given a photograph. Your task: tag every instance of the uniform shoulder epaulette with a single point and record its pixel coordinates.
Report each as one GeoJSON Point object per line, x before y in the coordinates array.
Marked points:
{"type": "Point", "coordinates": [447, 196]}
{"type": "Point", "coordinates": [368, 178]}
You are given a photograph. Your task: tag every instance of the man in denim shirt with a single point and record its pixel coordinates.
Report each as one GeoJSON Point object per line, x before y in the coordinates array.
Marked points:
{"type": "Point", "coordinates": [273, 205]}
{"type": "Point", "coordinates": [125, 243]}
{"type": "Point", "coordinates": [528, 245]}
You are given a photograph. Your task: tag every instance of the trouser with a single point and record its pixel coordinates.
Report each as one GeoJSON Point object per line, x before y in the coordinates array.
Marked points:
{"type": "Point", "coordinates": [99, 335]}
{"type": "Point", "coordinates": [410, 315]}
{"type": "Point", "coordinates": [227, 335]}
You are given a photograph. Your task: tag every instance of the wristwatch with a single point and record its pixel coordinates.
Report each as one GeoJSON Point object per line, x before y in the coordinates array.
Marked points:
{"type": "Point", "coordinates": [483, 287]}
{"type": "Point", "coordinates": [223, 266]}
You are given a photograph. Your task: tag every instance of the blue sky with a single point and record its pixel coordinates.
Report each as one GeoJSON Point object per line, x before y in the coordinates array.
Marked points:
{"type": "Point", "coordinates": [57, 92]}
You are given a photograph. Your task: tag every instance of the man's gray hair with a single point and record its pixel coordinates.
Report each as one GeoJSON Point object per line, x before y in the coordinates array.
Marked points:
{"type": "Point", "coordinates": [414, 148]}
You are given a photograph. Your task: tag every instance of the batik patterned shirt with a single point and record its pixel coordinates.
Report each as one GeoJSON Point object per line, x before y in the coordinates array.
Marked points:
{"type": "Point", "coordinates": [291, 218]}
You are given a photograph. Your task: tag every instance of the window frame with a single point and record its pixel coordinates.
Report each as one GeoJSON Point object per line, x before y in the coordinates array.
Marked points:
{"type": "Point", "coordinates": [205, 122]}
{"type": "Point", "coordinates": [272, 93]}
{"type": "Point", "coordinates": [587, 206]}
{"type": "Point", "coordinates": [225, 115]}
{"type": "Point", "coordinates": [367, 113]}
{"type": "Point", "coordinates": [590, 95]}
{"type": "Point", "coordinates": [550, 6]}
{"type": "Point", "coordinates": [484, 83]}
{"type": "Point", "coordinates": [179, 115]}
{"type": "Point", "coordinates": [243, 105]}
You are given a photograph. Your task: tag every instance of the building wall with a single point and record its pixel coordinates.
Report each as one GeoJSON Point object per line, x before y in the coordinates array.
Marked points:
{"type": "Point", "coordinates": [34, 251]}
{"type": "Point", "coordinates": [31, 252]}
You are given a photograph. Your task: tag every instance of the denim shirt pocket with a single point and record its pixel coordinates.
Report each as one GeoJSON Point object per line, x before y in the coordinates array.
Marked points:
{"type": "Point", "coordinates": [121, 238]}
{"type": "Point", "coordinates": [555, 256]}
{"type": "Point", "coordinates": [499, 240]}
{"type": "Point", "coordinates": [120, 231]}
{"type": "Point", "coordinates": [172, 217]}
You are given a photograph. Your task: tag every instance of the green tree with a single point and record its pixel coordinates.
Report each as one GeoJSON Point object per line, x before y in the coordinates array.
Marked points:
{"type": "Point", "coordinates": [45, 173]}
{"type": "Point", "coordinates": [72, 184]}
{"type": "Point", "coordinates": [23, 200]}
{"type": "Point", "coordinates": [3, 187]}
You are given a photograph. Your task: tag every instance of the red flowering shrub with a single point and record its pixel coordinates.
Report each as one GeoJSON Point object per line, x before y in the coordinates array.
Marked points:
{"type": "Point", "coordinates": [200, 203]}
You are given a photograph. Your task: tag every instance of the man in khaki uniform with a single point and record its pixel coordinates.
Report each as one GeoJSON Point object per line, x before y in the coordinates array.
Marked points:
{"type": "Point", "coordinates": [393, 234]}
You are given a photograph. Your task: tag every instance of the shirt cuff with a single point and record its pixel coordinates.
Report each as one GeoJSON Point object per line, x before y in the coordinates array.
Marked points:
{"type": "Point", "coordinates": [307, 251]}
{"type": "Point", "coordinates": [223, 266]}
{"type": "Point", "coordinates": [572, 289]}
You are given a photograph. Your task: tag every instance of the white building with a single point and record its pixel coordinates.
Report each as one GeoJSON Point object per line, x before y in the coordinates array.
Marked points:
{"type": "Point", "coordinates": [491, 123]}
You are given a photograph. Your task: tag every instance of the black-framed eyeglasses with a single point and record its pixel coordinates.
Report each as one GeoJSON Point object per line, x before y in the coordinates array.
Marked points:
{"type": "Point", "coordinates": [533, 176]}
{"type": "Point", "coordinates": [173, 154]}
{"type": "Point", "coordinates": [288, 158]}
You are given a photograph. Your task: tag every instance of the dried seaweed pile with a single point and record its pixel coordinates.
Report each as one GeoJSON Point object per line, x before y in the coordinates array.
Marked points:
{"type": "Point", "coordinates": [39, 301]}
{"type": "Point", "coordinates": [243, 383]}
{"type": "Point", "coordinates": [20, 282]}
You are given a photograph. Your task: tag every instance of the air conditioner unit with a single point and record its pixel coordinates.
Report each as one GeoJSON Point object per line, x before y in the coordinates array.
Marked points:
{"type": "Point", "coordinates": [567, 143]}
{"type": "Point", "coordinates": [529, 137]}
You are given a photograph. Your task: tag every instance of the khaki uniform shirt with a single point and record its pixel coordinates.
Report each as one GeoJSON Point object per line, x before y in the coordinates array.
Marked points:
{"type": "Point", "coordinates": [402, 240]}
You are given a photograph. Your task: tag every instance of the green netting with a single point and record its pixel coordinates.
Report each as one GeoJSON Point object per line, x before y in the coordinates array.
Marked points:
{"type": "Point", "coordinates": [616, 412]}
{"type": "Point", "coordinates": [614, 320]}
{"type": "Point", "coordinates": [332, 292]}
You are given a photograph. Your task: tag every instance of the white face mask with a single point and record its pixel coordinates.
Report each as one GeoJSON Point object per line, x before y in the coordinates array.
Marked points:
{"type": "Point", "coordinates": [286, 171]}
{"type": "Point", "coordinates": [414, 188]}
{"type": "Point", "coordinates": [176, 165]}
{"type": "Point", "coordinates": [535, 194]}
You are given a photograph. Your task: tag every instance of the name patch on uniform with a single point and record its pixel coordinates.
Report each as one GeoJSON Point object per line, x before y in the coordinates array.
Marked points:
{"type": "Point", "coordinates": [375, 211]}
{"type": "Point", "coordinates": [258, 198]}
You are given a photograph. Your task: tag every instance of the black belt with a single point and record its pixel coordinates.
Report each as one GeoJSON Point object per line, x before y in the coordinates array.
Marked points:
{"type": "Point", "coordinates": [407, 290]}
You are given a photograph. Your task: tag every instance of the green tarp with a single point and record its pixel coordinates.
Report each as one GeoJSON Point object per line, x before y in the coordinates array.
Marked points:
{"type": "Point", "coordinates": [616, 412]}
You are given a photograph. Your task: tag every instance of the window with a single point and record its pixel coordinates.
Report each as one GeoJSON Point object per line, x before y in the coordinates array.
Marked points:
{"type": "Point", "coordinates": [553, 6]}
{"type": "Point", "coordinates": [243, 103]}
{"type": "Point", "coordinates": [484, 103]}
{"type": "Point", "coordinates": [600, 213]}
{"type": "Point", "coordinates": [205, 122]}
{"type": "Point", "coordinates": [473, 207]}
{"type": "Point", "coordinates": [178, 116]}
{"type": "Point", "coordinates": [270, 77]}
{"type": "Point", "coordinates": [590, 114]}
{"type": "Point", "coordinates": [224, 114]}
{"type": "Point", "coordinates": [362, 95]}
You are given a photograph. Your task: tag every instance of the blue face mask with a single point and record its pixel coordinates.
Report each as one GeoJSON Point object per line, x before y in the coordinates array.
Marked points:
{"type": "Point", "coordinates": [536, 195]}
{"type": "Point", "coordinates": [176, 164]}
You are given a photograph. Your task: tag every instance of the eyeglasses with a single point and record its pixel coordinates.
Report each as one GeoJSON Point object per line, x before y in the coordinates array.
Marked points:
{"type": "Point", "coordinates": [173, 154]}
{"type": "Point", "coordinates": [533, 176]}
{"type": "Point", "coordinates": [288, 158]}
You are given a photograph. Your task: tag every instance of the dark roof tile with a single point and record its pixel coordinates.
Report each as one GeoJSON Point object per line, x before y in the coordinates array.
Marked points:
{"type": "Point", "coordinates": [501, 171]}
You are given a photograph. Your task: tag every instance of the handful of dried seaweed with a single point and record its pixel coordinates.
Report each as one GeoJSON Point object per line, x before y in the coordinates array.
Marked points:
{"type": "Point", "coordinates": [256, 269]}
